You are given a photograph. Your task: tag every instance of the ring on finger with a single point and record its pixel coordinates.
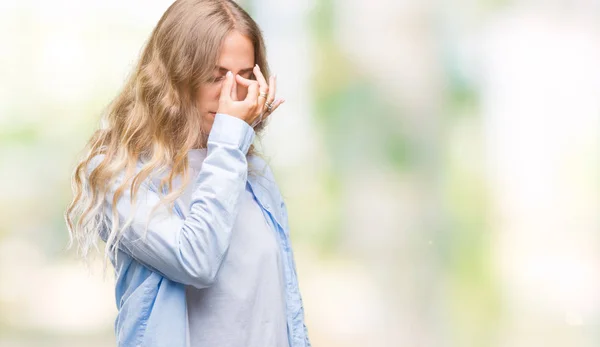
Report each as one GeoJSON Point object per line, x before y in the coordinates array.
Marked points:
{"type": "Point", "coordinates": [269, 106]}
{"type": "Point", "coordinates": [262, 95]}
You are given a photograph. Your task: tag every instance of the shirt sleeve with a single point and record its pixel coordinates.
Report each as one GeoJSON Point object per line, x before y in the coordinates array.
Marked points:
{"type": "Point", "coordinates": [191, 250]}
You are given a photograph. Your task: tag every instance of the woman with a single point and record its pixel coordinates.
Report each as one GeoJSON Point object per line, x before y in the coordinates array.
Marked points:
{"type": "Point", "coordinates": [192, 218]}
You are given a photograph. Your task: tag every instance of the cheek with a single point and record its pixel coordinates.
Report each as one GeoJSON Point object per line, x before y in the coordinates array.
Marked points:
{"type": "Point", "coordinates": [215, 91]}
{"type": "Point", "coordinates": [208, 94]}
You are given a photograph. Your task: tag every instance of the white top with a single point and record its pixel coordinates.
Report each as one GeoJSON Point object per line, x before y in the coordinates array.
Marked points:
{"type": "Point", "coordinates": [246, 304]}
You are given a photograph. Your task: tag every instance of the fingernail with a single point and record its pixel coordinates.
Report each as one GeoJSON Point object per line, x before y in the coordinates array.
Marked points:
{"type": "Point", "coordinates": [258, 67]}
{"type": "Point", "coordinates": [229, 73]}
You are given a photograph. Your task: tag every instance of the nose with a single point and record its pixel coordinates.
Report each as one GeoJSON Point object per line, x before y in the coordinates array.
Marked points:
{"type": "Point", "coordinates": [238, 92]}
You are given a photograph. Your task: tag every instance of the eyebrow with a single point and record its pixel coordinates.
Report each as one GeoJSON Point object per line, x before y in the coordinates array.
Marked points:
{"type": "Point", "coordinates": [222, 69]}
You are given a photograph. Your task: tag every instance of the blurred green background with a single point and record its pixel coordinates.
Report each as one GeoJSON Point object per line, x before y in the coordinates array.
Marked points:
{"type": "Point", "coordinates": [440, 161]}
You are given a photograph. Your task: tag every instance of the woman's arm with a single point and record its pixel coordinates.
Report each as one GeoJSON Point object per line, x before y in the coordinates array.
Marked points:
{"type": "Point", "coordinates": [190, 251]}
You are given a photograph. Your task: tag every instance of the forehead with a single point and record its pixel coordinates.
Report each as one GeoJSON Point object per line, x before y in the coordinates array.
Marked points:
{"type": "Point", "coordinates": [237, 52]}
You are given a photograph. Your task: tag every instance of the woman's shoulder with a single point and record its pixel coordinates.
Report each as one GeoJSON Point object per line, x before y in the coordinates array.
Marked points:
{"type": "Point", "coordinates": [261, 173]}
{"type": "Point", "coordinates": [259, 166]}
{"type": "Point", "coordinates": [117, 177]}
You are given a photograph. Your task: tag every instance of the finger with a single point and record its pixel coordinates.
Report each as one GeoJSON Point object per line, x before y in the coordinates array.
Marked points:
{"type": "Point", "coordinates": [260, 78]}
{"type": "Point", "coordinates": [234, 93]}
{"type": "Point", "coordinates": [276, 104]}
{"type": "Point", "coordinates": [272, 89]}
{"type": "Point", "coordinates": [263, 87]}
{"type": "Point", "coordinates": [252, 95]}
{"type": "Point", "coordinates": [244, 81]}
{"type": "Point", "coordinates": [226, 87]}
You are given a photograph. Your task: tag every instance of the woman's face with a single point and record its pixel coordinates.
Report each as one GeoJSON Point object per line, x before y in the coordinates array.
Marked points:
{"type": "Point", "coordinates": [237, 56]}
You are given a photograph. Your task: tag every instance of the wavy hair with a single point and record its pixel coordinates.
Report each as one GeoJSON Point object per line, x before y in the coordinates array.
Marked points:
{"type": "Point", "coordinates": [154, 118]}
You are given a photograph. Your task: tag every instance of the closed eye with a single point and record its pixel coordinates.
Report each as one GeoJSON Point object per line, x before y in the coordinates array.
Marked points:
{"type": "Point", "coordinates": [217, 79]}
{"type": "Point", "coordinates": [247, 75]}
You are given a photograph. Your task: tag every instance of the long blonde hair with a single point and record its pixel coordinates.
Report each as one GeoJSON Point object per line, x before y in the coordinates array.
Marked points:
{"type": "Point", "coordinates": [154, 118]}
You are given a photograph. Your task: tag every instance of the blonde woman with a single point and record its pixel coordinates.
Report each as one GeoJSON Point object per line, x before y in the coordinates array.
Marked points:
{"type": "Point", "coordinates": [192, 219]}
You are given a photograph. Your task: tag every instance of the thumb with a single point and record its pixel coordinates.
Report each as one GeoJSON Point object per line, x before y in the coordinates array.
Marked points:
{"type": "Point", "coordinates": [226, 87]}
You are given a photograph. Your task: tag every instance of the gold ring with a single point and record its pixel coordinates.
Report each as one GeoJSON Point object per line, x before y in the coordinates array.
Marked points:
{"type": "Point", "coordinates": [264, 95]}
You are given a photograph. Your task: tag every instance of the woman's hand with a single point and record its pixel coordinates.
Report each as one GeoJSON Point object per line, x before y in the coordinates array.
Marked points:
{"type": "Point", "coordinates": [255, 107]}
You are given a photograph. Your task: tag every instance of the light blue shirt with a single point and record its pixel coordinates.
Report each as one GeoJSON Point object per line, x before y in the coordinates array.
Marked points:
{"type": "Point", "coordinates": [246, 304]}
{"type": "Point", "coordinates": [178, 250]}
